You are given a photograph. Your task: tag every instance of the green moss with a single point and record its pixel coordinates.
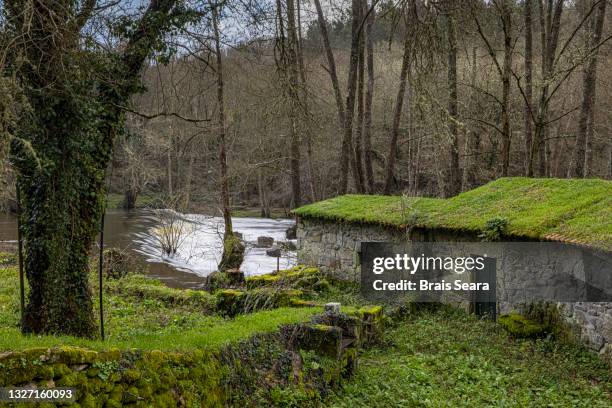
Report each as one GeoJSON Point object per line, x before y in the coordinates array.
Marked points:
{"type": "Point", "coordinates": [567, 210]}
{"type": "Point", "coordinates": [230, 302]}
{"type": "Point", "coordinates": [262, 280]}
{"type": "Point", "coordinates": [211, 377]}
{"type": "Point", "coordinates": [521, 327]}
{"type": "Point", "coordinates": [141, 288]}
{"type": "Point", "coordinates": [298, 277]}
{"type": "Point", "coordinates": [233, 253]}
{"type": "Point", "coordinates": [142, 313]}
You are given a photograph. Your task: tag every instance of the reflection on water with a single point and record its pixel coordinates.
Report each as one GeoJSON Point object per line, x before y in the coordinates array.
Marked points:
{"type": "Point", "coordinates": [198, 255]}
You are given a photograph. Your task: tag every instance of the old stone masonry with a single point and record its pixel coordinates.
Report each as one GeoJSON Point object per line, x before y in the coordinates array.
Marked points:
{"type": "Point", "coordinates": [335, 248]}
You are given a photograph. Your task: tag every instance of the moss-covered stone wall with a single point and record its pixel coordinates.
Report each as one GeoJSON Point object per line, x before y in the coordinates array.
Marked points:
{"type": "Point", "coordinates": [255, 372]}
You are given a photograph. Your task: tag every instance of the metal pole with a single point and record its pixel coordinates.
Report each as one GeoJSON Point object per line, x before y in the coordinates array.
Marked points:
{"type": "Point", "coordinates": [20, 256]}
{"type": "Point", "coordinates": [277, 264]}
{"type": "Point", "coordinates": [100, 266]}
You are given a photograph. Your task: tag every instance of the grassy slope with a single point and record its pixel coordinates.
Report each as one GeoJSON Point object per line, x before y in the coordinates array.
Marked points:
{"type": "Point", "coordinates": [579, 210]}
{"type": "Point", "coordinates": [453, 360]}
{"type": "Point", "coordinates": [149, 323]}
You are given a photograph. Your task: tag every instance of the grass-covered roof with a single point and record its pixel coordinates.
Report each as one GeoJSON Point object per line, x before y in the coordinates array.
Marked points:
{"type": "Point", "coordinates": [556, 209]}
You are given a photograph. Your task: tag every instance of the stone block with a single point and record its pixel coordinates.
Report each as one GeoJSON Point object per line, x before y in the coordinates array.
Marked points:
{"type": "Point", "coordinates": [265, 242]}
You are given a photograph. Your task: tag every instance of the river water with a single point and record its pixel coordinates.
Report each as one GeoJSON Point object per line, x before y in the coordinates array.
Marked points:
{"type": "Point", "coordinates": [200, 249]}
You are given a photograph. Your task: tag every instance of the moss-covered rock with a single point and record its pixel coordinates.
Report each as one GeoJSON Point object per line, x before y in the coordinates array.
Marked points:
{"type": "Point", "coordinates": [323, 339]}
{"type": "Point", "coordinates": [230, 302]}
{"type": "Point", "coordinates": [230, 279]}
{"type": "Point", "coordinates": [373, 322]}
{"type": "Point", "coordinates": [298, 277]}
{"type": "Point", "coordinates": [519, 326]}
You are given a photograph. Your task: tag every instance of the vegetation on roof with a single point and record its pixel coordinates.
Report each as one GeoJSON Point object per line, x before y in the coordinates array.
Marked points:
{"type": "Point", "coordinates": [560, 209]}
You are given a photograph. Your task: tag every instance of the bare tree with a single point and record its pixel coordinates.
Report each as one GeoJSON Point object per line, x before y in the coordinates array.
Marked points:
{"type": "Point", "coordinates": [358, 175]}
{"type": "Point", "coordinates": [397, 114]}
{"type": "Point", "coordinates": [454, 181]}
{"type": "Point", "coordinates": [528, 11]}
{"type": "Point", "coordinates": [232, 247]}
{"type": "Point", "coordinates": [581, 159]}
{"type": "Point", "coordinates": [369, 95]}
{"type": "Point", "coordinates": [504, 70]}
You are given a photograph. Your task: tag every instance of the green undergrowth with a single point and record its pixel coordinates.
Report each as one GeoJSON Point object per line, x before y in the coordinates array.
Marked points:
{"type": "Point", "coordinates": [170, 347]}
{"type": "Point", "coordinates": [142, 313]}
{"type": "Point", "coordinates": [450, 359]}
{"type": "Point", "coordinates": [579, 210]}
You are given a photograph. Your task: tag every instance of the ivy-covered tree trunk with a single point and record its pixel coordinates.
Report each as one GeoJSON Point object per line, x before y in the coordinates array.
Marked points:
{"type": "Point", "coordinates": [62, 204]}
{"type": "Point", "coordinates": [63, 144]}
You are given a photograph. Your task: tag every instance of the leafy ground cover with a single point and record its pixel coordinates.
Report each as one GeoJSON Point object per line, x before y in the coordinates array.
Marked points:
{"type": "Point", "coordinates": [450, 359]}
{"type": "Point", "coordinates": [142, 313]}
{"type": "Point", "coordinates": [568, 210]}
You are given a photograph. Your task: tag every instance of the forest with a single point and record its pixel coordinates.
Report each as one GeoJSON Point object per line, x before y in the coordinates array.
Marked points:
{"type": "Point", "coordinates": [430, 98]}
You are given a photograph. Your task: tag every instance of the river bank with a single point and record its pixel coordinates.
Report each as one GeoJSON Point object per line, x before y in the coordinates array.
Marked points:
{"type": "Point", "coordinates": [134, 232]}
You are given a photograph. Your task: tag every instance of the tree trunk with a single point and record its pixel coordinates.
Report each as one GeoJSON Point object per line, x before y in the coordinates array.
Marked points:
{"type": "Point", "coordinates": [473, 137]}
{"type": "Point", "coordinates": [264, 205]}
{"type": "Point", "coordinates": [305, 103]}
{"type": "Point", "coordinates": [294, 102]}
{"type": "Point", "coordinates": [358, 165]}
{"type": "Point", "coordinates": [188, 181]}
{"type": "Point", "coordinates": [130, 197]}
{"type": "Point", "coordinates": [580, 164]}
{"type": "Point", "coordinates": [506, 74]}
{"type": "Point", "coordinates": [62, 165]}
{"type": "Point", "coordinates": [223, 179]}
{"type": "Point", "coordinates": [367, 119]}
{"type": "Point", "coordinates": [397, 115]}
{"type": "Point", "coordinates": [57, 244]}
{"type": "Point", "coordinates": [169, 168]}
{"type": "Point", "coordinates": [550, 24]}
{"type": "Point", "coordinates": [454, 180]}
{"type": "Point", "coordinates": [347, 139]}
{"type": "Point", "coordinates": [528, 80]}
{"type": "Point", "coordinates": [233, 249]}
{"type": "Point", "coordinates": [331, 69]}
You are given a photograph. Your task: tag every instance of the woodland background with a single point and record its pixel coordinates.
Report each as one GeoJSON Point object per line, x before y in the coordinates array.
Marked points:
{"type": "Point", "coordinates": [430, 98]}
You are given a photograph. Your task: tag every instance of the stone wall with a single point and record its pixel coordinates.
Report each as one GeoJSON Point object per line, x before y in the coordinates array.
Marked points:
{"type": "Point", "coordinates": [335, 248]}
{"type": "Point", "coordinates": [593, 322]}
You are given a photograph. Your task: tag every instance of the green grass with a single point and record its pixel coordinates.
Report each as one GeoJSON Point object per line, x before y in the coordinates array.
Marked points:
{"type": "Point", "coordinates": [567, 210]}
{"type": "Point", "coordinates": [163, 319]}
{"type": "Point", "coordinates": [449, 359]}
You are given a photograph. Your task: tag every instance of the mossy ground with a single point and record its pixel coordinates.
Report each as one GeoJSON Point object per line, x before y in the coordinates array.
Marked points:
{"type": "Point", "coordinates": [142, 313]}
{"type": "Point", "coordinates": [579, 210]}
{"type": "Point", "coordinates": [450, 359]}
